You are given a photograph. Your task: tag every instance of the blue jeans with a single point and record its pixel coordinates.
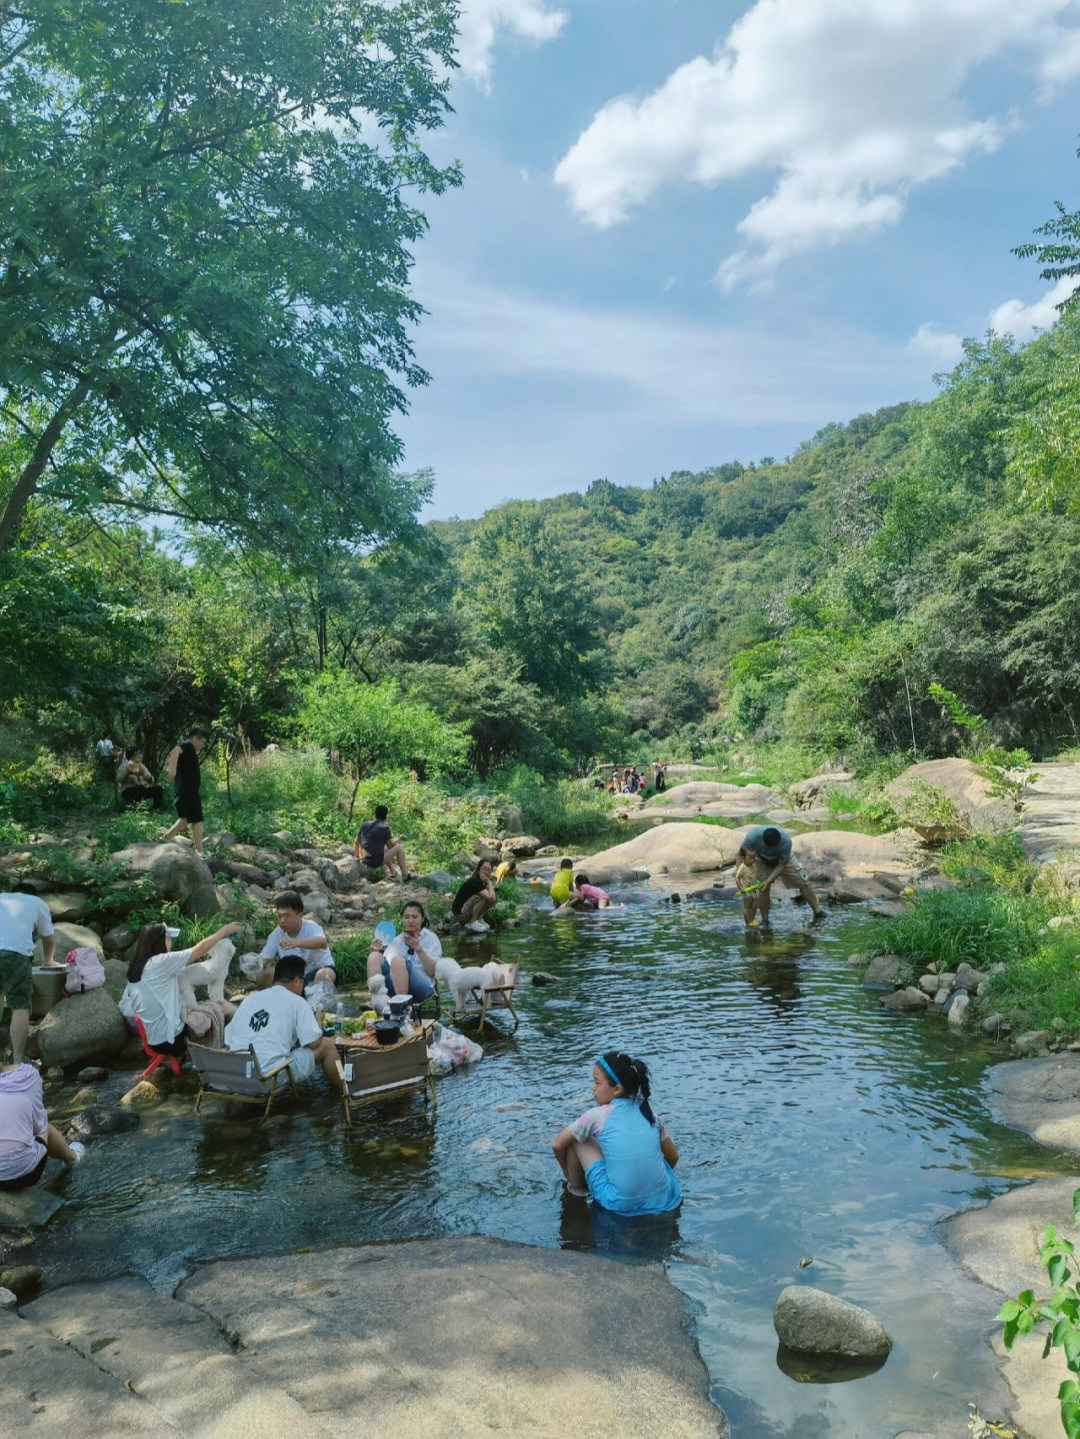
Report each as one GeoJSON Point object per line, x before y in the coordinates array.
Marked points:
{"type": "Point", "coordinates": [421, 985]}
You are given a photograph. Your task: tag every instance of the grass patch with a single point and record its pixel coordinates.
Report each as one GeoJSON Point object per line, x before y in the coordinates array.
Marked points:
{"type": "Point", "coordinates": [980, 927]}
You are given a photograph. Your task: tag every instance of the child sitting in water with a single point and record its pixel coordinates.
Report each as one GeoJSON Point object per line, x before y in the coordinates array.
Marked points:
{"type": "Point", "coordinates": [618, 1152]}
{"type": "Point", "coordinates": [748, 885]}
{"type": "Point", "coordinates": [593, 897]}
{"type": "Point", "coordinates": [562, 888]}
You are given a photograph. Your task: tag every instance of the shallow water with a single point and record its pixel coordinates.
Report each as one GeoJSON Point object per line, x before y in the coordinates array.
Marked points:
{"type": "Point", "coordinates": [809, 1123]}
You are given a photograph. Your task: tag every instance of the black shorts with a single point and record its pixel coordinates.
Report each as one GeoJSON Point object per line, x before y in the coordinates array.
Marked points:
{"type": "Point", "coordinates": [189, 807]}
{"type": "Point", "coordinates": [24, 1181]}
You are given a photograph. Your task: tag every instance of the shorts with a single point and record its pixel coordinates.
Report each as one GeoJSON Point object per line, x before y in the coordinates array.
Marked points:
{"type": "Point", "coordinates": [474, 909]}
{"type": "Point", "coordinates": [792, 873]}
{"type": "Point", "coordinates": [189, 807]}
{"type": "Point", "coordinates": [309, 974]}
{"type": "Point", "coordinates": [301, 1066]}
{"type": "Point", "coordinates": [608, 1197]}
{"type": "Point", "coordinates": [421, 985]}
{"type": "Point", "coordinates": [24, 1181]}
{"type": "Point", "coordinates": [17, 978]}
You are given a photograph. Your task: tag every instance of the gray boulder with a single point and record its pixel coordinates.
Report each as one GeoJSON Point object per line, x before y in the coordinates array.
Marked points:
{"type": "Point", "coordinates": [82, 1028]}
{"type": "Point", "coordinates": [904, 1001]}
{"type": "Point", "coordinates": [512, 821]}
{"type": "Point", "coordinates": [957, 1013]}
{"type": "Point", "coordinates": [351, 872]}
{"type": "Point", "coordinates": [317, 904]}
{"type": "Point", "coordinates": [307, 881]}
{"type": "Point", "coordinates": [249, 873]}
{"type": "Point", "coordinates": [882, 971]}
{"type": "Point", "coordinates": [1032, 1041]}
{"type": "Point", "coordinates": [968, 978]}
{"type": "Point", "coordinates": [992, 1024]}
{"type": "Point", "coordinates": [520, 846]}
{"type": "Point", "coordinates": [70, 904]}
{"type": "Point", "coordinates": [177, 873]}
{"type": "Point", "coordinates": [813, 1322]}
{"type": "Point", "coordinates": [437, 879]}
{"type": "Point", "coordinates": [115, 976]}
{"type": "Point", "coordinates": [69, 937]}
{"type": "Point", "coordinates": [930, 984]}
{"type": "Point", "coordinates": [118, 939]}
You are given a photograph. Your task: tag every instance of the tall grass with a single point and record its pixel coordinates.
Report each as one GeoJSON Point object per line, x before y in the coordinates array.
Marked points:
{"type": "Point", "coordinates": [980, 927]}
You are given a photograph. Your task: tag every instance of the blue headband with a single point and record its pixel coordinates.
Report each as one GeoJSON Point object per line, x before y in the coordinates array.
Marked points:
{"type": "Point", "coordinates": [609, 1071]}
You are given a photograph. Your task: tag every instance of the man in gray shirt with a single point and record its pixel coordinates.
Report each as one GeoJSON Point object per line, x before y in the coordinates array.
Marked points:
{"type": "Point", "coordinates": [771, 848]}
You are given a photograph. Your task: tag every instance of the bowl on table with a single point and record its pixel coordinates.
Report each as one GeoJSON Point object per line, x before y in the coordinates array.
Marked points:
{"type": "Point", "coordinates": [400, 1004]}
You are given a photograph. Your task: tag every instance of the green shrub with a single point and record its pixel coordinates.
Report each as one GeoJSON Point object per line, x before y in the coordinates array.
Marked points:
{"type": "Point", "coordinates": [950, 927]}
{"type": "Point", "coordinates": [560, 811]}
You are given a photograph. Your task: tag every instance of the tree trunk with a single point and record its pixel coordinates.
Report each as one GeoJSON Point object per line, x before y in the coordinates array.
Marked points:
{"type": "Point", "coordinates": [27, 482]}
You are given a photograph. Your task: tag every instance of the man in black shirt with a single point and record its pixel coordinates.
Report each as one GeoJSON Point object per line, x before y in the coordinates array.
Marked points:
{"type": "Point", "coordinates": [375, 846]}
{"type": "Point", "coordinates": [182, 767]}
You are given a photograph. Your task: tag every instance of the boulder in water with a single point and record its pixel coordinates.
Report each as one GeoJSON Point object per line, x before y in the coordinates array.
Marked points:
{"type": "Point", "coordinates": [810, 1321]}
{"type": "Point", "coordinates": [81, 1028]}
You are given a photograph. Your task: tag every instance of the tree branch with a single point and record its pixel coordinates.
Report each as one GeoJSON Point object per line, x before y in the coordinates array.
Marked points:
{"type": "Point", "coordinates": [27, 482]}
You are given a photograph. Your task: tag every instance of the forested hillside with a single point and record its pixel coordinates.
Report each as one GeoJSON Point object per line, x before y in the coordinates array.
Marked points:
{"type": "Point", "coordinates": [816, 600]}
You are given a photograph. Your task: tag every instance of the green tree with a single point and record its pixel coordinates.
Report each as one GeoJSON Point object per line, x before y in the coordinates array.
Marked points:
{"type": "Point", "coordinates": [530, 603]}
{"type": "Point", "coordinates": [204, 256]}
{"type": "Point", "coordinates": [375, 727]}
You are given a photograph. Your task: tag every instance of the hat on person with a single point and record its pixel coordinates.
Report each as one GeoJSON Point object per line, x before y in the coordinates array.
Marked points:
{"type": "Point", "coordinates": [171, 932]}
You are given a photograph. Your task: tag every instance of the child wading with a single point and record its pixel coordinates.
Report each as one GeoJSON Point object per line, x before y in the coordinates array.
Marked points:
{"type": "Point", "coordinates": [748, 885]}
{"type": "Point", "coordinates": [618, 1152]}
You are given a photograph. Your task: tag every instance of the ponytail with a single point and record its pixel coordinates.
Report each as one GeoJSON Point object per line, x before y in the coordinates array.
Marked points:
{"type": "Point", "coordinates": [633, 1075]}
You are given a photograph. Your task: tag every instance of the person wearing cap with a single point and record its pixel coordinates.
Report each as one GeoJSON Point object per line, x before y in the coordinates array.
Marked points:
{"type": "Point", "coordinates": [153, 993]}
{"type": "Point", "coordinates": [771, 850]}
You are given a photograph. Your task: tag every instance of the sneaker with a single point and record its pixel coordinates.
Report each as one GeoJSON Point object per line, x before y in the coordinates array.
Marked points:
{"type": "Point", "coordinates": [79, 1150]}
{"type": "Point", "coordinates": [479, 926]}
{"type": "Point", "coordinates": [578, 1193]}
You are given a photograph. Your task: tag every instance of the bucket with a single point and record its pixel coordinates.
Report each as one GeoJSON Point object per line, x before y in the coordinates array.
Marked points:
{"type": "Point", "coordinates": [48, 990]}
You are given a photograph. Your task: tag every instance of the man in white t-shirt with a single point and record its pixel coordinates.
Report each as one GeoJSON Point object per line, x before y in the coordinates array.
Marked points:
{"type": "Point", "coordinates": [279, 1024]}
{"type": "Point", "coordinates": [295, 934]}
{"type": "Point", "coordinates": [23, 917]}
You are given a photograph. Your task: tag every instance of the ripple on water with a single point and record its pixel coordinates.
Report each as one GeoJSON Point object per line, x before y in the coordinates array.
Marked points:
{"type": "Point", "coordinates": [809, 1122]}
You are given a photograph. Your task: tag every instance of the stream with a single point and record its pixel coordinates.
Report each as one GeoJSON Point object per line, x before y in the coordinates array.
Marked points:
{"type": "Point", "coordinates": [810, 1123]}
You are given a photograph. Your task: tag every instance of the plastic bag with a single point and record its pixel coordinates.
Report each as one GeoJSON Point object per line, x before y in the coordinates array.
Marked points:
{"type": "Point", "coordinates": [250, 964]}
{"type": "Point", "coordinates": [321, 995]}
{"type": "Point", "coordinates": [447, 1050]}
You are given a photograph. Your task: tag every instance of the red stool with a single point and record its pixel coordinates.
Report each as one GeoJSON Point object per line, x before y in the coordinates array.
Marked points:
{"type": "Point", "coordinates": [153, 1055]}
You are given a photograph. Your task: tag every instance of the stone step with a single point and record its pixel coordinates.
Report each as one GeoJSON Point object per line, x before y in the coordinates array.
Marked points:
{"type": "Point", "coordinates": [171, 1356]}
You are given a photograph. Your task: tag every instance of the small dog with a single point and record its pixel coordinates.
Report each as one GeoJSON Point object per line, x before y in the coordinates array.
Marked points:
{"type": "Point", "coordinates": [380, 999]}
{"type": "Point", "coordinates": [463, 981]}
{"type": "Point", "coordinates": [210, 972]}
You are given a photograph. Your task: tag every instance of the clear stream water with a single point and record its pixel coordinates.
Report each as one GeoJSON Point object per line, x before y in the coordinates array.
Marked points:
{"type": "Point", "coordinates": [809, 1123]}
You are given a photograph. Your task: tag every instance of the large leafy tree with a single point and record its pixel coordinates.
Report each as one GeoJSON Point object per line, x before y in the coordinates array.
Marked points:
{"type": "Point", "coordinates": [205, 226]}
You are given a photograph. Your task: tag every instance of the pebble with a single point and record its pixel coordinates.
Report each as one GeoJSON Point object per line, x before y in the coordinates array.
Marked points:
{"type": "Point", "coordinates": [541, 976]}
{"type": "Point", "coordinates": [54, 1073]}
{"type": "Point", "coordinates": [806, 1261]}
{"type": "Point", "coordinates": [93, 1074]}
{"type": "Point", "coordinates": [7, 1299]}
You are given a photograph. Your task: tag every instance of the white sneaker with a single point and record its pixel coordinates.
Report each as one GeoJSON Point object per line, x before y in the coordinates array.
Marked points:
{"type": "Point", "coordinates": [79, 1150]}
{"type": "Point", "coordinates": [479, 926]}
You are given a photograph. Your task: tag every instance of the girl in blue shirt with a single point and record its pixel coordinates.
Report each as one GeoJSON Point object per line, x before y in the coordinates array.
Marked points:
{"type": "Point", "coordinates": [618, 1152]}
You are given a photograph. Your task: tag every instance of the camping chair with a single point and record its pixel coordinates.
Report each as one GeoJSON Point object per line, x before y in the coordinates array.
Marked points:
{"type": "Point", "coordinates": [155, 1056]}
{"type": "Point", "coordinates": [499, 996]}
{"type": "Point", "coordinates": [235, 1074]}
{"type": "Point", "coordinates": [369, 1070]}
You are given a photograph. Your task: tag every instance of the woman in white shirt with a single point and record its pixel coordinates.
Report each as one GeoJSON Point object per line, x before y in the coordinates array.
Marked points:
{"type": "Point", "coordinates": [408, 962]}
{"type": "Point", "coordinates": [153, 992]}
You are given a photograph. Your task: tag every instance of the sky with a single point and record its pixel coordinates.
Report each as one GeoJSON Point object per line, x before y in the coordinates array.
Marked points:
{"type": "Point", "coordinates": [696, 232]}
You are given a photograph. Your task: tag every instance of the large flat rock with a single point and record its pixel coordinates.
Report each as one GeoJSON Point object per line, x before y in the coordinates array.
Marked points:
{"type": "Point", "coordinates": [1042, 1096]}
{"type": "Point", "coordinates": [683, 847]}
{"type": "Point", "coordinates": [964, 783]}
{"type": "Point", "coordinates": [462, 1336]}
{"type": "Point", "coordinates": [728, 801]}
{"type": "Point", "coordinates": [999, 1245]}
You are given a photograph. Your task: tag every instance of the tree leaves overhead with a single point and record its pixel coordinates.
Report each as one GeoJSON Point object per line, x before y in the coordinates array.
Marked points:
{"type": "Point", "coordinates": [205, 235]}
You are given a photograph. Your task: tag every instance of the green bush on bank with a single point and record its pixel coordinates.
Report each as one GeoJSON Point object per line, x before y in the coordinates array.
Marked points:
{"type": "Point", "coordinates": [998, 914]}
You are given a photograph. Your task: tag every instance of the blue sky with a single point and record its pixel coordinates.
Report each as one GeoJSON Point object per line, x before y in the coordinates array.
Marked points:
{"type": "Point", "coordinates": [696, 232]}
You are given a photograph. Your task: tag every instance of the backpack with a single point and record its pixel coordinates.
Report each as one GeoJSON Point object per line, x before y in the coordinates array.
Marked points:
{"type": "Point", "coordinates": [84, 971]}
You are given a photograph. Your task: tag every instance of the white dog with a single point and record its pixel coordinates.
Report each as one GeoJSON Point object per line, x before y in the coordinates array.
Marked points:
{"type": "Point", "coordinates": [380, 999]}
{"type": "Point", "coordinates": [463, 981]}
{"type": "Point", "coordinates": [210, 972]}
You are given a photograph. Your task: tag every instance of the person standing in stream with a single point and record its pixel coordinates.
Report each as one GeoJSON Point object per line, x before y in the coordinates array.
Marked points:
{"type": "Point", "coordinates": [770, 847]}
{"type": "Point", "coordinates": [183, 769]}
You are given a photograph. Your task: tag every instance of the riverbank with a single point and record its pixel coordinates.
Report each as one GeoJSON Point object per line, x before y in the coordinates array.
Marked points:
{"type": "Point", "coordinates": [442, 1337]}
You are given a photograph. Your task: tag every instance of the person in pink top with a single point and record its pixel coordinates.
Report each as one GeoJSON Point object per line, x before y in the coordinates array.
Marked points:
{"type": "Point", "coordinates": [591, 894]}
{"type": "Point", "coordinates": [27, 1139]}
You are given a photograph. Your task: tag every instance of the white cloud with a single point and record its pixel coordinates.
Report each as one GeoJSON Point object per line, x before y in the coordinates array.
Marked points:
{"type": "Point", "coordinates": [683, 370]}
{"type": "Point", "coordinates": [484, 22]}
{"type": "Point", "coordinates": [850, 103]}
{"type": "Point", "coordinates": [1015, 318]}
{"type": "Point", "coordinates": [942, 347]}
